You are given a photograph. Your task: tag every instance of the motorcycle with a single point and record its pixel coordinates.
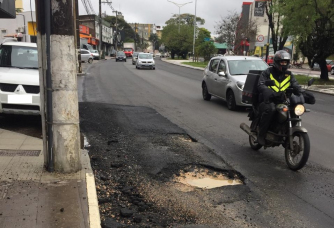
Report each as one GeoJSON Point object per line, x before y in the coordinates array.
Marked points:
{"type": "Point", "coordinates": [285, 128]}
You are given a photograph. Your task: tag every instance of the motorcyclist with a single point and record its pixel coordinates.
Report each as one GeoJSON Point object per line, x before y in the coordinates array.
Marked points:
{"type": "Point", "coordinates": [268, 94]}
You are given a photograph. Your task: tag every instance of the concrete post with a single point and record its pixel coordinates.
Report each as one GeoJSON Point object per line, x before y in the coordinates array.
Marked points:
{"type": "Point", "coordinates": [65, 148]}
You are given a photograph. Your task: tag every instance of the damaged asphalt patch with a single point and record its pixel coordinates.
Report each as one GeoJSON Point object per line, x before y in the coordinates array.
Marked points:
{"type": "Point", "coordinates": [137, 154]}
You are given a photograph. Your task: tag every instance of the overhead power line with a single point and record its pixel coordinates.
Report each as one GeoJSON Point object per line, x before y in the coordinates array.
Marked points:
{"type": "Point", "coordinates": [91, 7]}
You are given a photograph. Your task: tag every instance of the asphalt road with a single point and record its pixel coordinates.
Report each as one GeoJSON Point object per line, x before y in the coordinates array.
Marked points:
{"type": "Point", "coordinates": [306, 196]}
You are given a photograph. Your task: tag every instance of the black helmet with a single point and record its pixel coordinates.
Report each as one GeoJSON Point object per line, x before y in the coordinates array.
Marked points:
{"type": "Point", "coordinates": [281, 55]}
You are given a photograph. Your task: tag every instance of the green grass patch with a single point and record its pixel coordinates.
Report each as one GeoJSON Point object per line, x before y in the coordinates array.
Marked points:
{"type": "Point", "coordinates": [303, 79]}
{"type": "Point", "coordinates": [196, 64]}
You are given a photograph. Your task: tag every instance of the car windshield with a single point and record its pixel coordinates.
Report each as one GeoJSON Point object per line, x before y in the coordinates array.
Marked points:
{"type": "Point", "coordinates": [120, 53]}
{"type": "Point", "coordinates": [18, 56]}
{"type": "Point", "coordinates": [135, 54]}
{"type": "Point", "coordinates": [145, 56]}
{"type": "Point", "coordinates": [127, 49]}
{"type": "Point", "coordinates": [242, 67]}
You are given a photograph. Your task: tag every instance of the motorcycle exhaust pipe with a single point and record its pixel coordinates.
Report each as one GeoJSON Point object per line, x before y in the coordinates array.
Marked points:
{"type": "Point", "coordinates": [246, 128]}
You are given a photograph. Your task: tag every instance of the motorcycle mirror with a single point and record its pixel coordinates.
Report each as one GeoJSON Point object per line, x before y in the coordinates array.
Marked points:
{"type": "Point", "coordinates": [310, 82]}
{"type": "Point", "coordinates": [269, 83]}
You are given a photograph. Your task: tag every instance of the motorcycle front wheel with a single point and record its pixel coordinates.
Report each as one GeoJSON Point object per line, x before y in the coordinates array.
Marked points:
{"type": "Point", "coordinates": [297, 158]}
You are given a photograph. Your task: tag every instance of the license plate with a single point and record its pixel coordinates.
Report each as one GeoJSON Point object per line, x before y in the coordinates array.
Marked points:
{"type": "Point", "coordinates": [19, 99]}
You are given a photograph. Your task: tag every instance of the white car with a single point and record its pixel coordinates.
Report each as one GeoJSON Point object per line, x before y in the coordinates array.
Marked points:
{"type": "Point", "coordinates": [95, 54]}
{"type": "Point", "coordinates": [86, 56]}
{"type": "Point", "coordinates": [145, 60]}
{"type": "Point", "coordinates": [19, 79]}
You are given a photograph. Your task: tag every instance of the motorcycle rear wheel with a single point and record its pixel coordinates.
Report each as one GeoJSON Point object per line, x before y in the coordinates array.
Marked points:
{"type": "Point", "coordinates": [254, 145]}
{"type": "Point", "coordinates": [297, 158]}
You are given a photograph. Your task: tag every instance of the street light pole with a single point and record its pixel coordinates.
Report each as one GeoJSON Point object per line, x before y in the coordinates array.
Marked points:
{"type": "Point", "coordinates": [194, 32]}
{"type": "Point", "coordinates": [179, 5]}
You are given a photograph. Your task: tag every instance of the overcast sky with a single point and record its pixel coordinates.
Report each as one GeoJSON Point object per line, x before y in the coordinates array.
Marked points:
{"type": "Point", "coordinates": [159, 11]}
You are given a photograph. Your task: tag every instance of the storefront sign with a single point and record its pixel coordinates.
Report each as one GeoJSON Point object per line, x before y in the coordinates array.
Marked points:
{"type": "Point", "coordinates": [259, 9]}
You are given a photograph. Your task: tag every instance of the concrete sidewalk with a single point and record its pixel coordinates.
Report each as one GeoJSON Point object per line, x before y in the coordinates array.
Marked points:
{"type": "Point", "coordinates": [327, 89]}
{"type": "Point", "coordinates": [32, 197]}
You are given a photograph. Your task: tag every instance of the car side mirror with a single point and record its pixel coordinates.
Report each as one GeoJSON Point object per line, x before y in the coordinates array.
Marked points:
{"type": "Point", "coordinates": [222, 73]}
{"type": "Point", "coordinates": [269, 82]}
{"type": "Point", "coordinates": [310, 82]}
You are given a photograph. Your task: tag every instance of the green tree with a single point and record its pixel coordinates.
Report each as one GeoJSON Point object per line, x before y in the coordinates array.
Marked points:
{"type": "Point", "coordinates": [179, 43]}
{"type": "Point", "coordinates": [226, 30]}
{"type": "Point", "coordinates": [279, 34]}
{"type": "Point", "coordinates": [311, 22]}
{"type": "Point", "coordinates": [129, 33]}
{"type": "Point", "coordinates": [154, 40]}
{"type": "Point", "coordinates": [185, 19]}
{"type": "Point", "coordinates": [204, 48]}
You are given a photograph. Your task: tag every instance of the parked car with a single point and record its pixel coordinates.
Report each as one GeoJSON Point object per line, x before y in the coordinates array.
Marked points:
{"type": "Point", "coordinates": [86, 56]}
{"type": "Point", "coordinates": [145, 60]}
{"type": "Point", "coordinates": [120, 56]}
{"type": "Point", "coordinates": [225, 76]}
{"type": "Point", "coordinates": [329, 64]}
{"type": "Point", "coordinates": [19, 78]}
{"type": "Point", "coordinates": [332, 70]}
{"type": "Point", "coordinates": [134, 57]}
{"type": "Point", "coordinates": [96, 54]}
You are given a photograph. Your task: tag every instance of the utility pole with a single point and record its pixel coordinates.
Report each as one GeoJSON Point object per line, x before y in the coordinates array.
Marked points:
{"type": "Point", "coordinates": [100, 28]}
{"type": "Point", "coordinates": [77, 34]}
{"type": "Point", "coordinates": [116, 32]}
{"type": "Point", "coordinates": [135, 36]}
{"type": "Point", "coordinates": [59, 94]}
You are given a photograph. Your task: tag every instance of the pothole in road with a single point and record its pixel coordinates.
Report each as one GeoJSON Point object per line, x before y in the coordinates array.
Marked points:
{"type": "Point", "coordinates": [184, 137]}
{"type": "Point", "coordinates": [203, 178]}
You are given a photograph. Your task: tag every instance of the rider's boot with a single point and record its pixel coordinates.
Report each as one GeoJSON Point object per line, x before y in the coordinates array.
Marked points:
{"type": "Point", "coordinates": [267, 110]}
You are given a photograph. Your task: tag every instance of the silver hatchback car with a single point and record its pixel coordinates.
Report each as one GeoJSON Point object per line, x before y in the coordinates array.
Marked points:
{"type": "Point", "coordinates": [145, 60]}
{"type": "Point", "coordinates": [225, 76]}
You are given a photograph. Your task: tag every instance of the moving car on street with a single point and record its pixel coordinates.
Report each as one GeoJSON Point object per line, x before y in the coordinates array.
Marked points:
{"type": "Point", "coordinates": [145, 60]}
{"type": "Point", "coordinates": [134, 58]}
{"type": "Point", "coordinates": [96, 54]}
{"type": "Point", "coordinates": [225, 76]}
{"type": "Point", "coordinates": [19, 78]}
{"type": "Point", "coordinates": [120, 56]}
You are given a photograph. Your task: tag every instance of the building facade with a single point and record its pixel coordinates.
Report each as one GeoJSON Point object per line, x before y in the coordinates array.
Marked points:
{"type": "Point", "coordinates": [23, 26]}
{"type": "Point", "coordinates": [90, 29]}
{"type": "Point", "coordinates": [144, 30]}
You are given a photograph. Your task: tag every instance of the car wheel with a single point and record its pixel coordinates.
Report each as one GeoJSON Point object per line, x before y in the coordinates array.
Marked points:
{"type": "Point", "coordinates": [133, 63]}
{"type": "Point", "coordinates": [116, 60]}
{"type": "Point", "coordinates": [332, 71]}
{"type": "Point", "coordinates": [205, 92]}
{"type": "Point", "coordinates": [153, 68]}
{"type": "Point", "coordinates": [90, 60]}
{"type": "Point", "coordinates": [230, 99]}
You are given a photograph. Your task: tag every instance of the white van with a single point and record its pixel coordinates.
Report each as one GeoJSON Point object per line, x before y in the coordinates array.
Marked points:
{"type": "Point", "coordinates": [19, 78]}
